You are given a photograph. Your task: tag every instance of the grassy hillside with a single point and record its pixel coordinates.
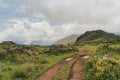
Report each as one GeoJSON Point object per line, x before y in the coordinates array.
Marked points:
{"type": "Point", "coordinates": [97, 36]}
{"type": "Point", "coordinates": [68, 40]}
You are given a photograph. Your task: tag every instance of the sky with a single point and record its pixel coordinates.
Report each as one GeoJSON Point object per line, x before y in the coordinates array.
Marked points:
{"type": "Point", "coordinates": [50, 20]}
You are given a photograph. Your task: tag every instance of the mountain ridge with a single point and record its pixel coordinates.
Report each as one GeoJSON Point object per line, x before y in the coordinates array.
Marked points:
{"type": "Point", "coordinates": [96, 35]}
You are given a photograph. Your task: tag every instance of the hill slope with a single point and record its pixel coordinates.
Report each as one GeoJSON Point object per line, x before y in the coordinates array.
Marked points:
{"type": "Point", "coordinates": [96, 35]}
{"type": "Point", "coordinates": [68, 40]}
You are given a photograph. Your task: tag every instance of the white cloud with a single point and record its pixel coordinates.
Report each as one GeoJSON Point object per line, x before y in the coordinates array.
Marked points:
{"type": "Point", "coordinates": [28, 31]}
{"type": "Point", "coordinates": [25, 30]}
{"type": "Point", "coordinates": [80, 11]}
{"type": "Point", "coordinates": [93, 13]}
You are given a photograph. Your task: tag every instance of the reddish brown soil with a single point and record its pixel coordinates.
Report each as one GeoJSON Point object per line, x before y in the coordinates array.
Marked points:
{"type": "Point", "coordinates": [76, 72]}
{"type": "Point", "coordinates": [49, 74]}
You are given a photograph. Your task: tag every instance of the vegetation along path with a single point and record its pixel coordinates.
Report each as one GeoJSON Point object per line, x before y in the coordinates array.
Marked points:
{"type": "Point", "coordinates": [76, 72]}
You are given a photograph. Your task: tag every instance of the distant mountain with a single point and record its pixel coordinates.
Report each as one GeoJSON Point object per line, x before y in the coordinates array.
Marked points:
{"type": "Point", "coordinates": [96, 35]}
{"type": "Point", "coordinates": [67, 40]}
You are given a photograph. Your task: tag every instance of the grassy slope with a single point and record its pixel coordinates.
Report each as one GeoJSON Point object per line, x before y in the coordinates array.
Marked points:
{"type": "Point", "coordinates": [68, 40]}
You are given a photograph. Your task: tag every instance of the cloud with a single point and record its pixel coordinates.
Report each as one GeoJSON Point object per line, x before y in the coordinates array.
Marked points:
{"type": "Point", "coordinates": [80, 11]}
{"type": "Point", "coordinates": [27, 31]}
{"type": "Point", "coordinates": [3, 5]}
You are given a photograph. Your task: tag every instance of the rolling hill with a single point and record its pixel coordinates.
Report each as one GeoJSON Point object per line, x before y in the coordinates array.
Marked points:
{"type": "Point", "coordinates": [68, 40]}
{"type": "Point", "coordinates": [96, 35]}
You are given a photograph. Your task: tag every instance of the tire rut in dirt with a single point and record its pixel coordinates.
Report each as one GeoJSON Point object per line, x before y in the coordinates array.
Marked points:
{"type": "Point", "coordinates": [50, 73]}
{"type": "Point", "coordinates": [76, 72]}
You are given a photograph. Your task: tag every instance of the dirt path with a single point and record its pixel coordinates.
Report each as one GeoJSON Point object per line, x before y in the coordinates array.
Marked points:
{"type": "Point", "coordinates": [50, 73]}
{"type": "Point", "coordinates": [76, 72]}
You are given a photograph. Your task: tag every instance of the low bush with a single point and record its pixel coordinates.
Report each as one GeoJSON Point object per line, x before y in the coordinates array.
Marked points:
{"type": "Point", "coordinates": [57, 49]}
{"type": "Point", "coordinates": [19, 75]}
{"type": "Point", "coordinates": [102, 69]}
{"type": "Point", "coordinates": [102, 66]}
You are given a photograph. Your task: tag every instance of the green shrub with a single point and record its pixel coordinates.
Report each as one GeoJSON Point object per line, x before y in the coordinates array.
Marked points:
{"type": "Point", "coordinates": [102, 66]}
{"type": "Point", "coordinates": [102, 69]}
{"type": "Point", "coordinates": [43, 61]}
{"type": "Point", "coordinates": [59, 49]}
{"type": "Point", "coordinates": [19, 75]}
{"type": "Point", "coordinates": [1, 77]}
{"type": "Point", "coordinates": [2, 56]}
{"type": "Point", "coordinates": [7, 69]}
{"type": "Point", "coordinates": [103, 49]}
